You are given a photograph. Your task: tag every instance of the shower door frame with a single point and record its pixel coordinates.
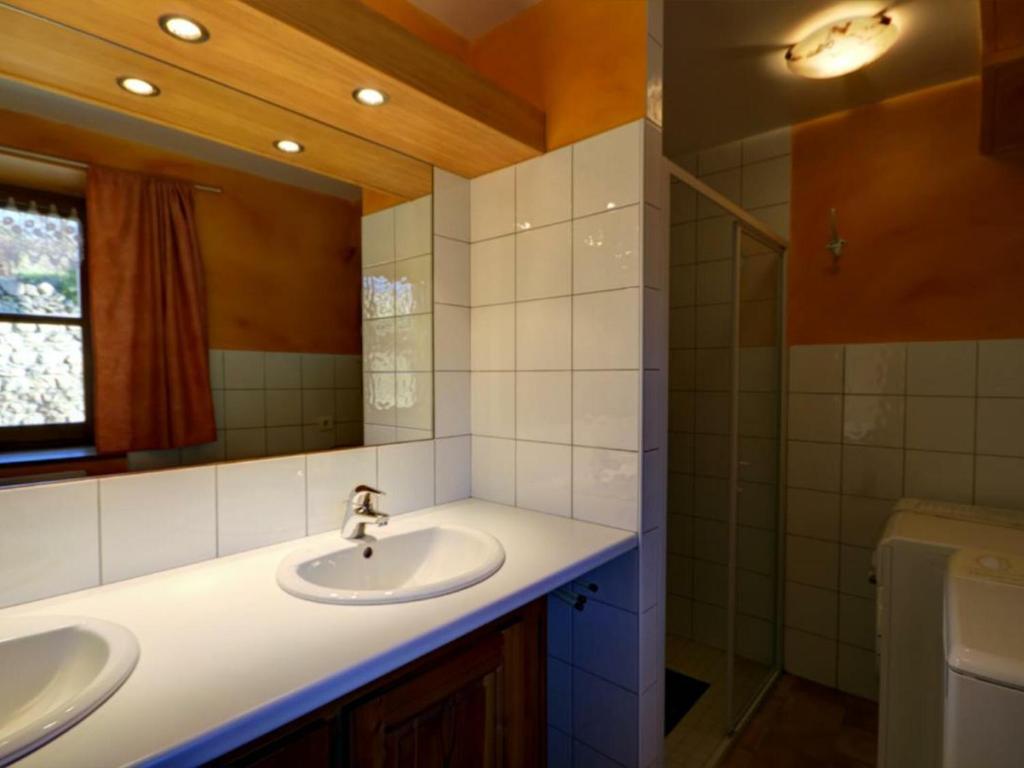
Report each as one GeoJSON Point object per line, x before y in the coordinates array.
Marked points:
{"type": "Point", "coordinates": [747, 224]}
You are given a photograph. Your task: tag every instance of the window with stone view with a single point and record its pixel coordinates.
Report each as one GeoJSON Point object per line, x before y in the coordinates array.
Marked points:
{"type": "Point", "coordinates": [43, 394]}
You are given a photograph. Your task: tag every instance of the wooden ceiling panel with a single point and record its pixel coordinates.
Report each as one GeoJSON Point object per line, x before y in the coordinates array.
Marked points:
{"type": "Point", "coordinates": [61, 59]}
{"type": "Point", "coordinates": [309, 57]}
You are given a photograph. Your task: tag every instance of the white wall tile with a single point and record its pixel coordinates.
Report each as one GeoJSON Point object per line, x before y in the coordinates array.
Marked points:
{"type": "Point", "coordinates": [814, 466]}
{"type": "Point", "coordinates": [216, 363]}
{"type": "Point", "coordinates": [766, 182]}
{"type": "Point", "coordinates": [714, 282]}
{"type": "Point", "coordinates": [606, 643]}
{"type": "Point", "coordinates": [764, 146]}
{"type": "Point", "coordinates": [379, 399]}
{"type": "Point", "coordinates": [656, 330]}
{"type": "Point", "coordinates": [493, 469]}
{"type": "Point", "coordinates": [715, 238]}
{"type": "Point", "coordinates": [810, 656]}
{"type": "Point", "coordinates": [940, 476]}
{"type": "Point", "coordinates": [544, 406]}
{"type": "Point", "coordinates": [544, 334]}
{"type": "Point", "coordinates": [492, 338]}
{"type": "Point", "coordinates": [999, 482]}
{"type": "Point", "coordinates": [282, 370]}
{"type": "Point", "coordinates": [406, 474]}
{"type": "Point", "coordinates": [544, 262]}
{"type": "Point", "coordinates": [493, 398]}
{"type": "Point", "coordinates": [606, 250]}
{"type": "Point", "coordinates": [317, 370]}
{"type": "Point", "coordinates": [1001, 368]}
{"type": "Point", "coordinates": [452, 403]}
{"type": "Point", "coordinates": [282, 440]}
{"type": "Point", "coordinates": [606, 330]}
{"type": "Point", "coordinates": [941, 423]}
{"type": "Point", "coordinates": [451, 271]}
{"type": "Point", "coordinates": [1001, 426]}
{"type": "Point", "coordinates": [815, 417]}
{"type": "Point", "coordinates": [606, 170]}
{"type": "Point", "coordinates": [453, 477]}
{"type": "Point", "coordinates": [605, 407]}
{"type": "Point", "coordinates": [812, 562]}
{"type": "Point", "coordinates": [451, 205]}
{"type": "Point", "coordinates": [414, 402]}
{"type": "Point", "coordinates": [158, 520]}
{"type": "Point", "coordinates": [874, 420]}
{"type": "Point", "coordinates": [544, 477]}
{"type": "Point", "coordinates": [413, 227]}
{"type": "Point", "coordinates": [377, 434]}
{"type": "Point", "coordinates": [245, 443]}
{"type": "Point", "coordinates": [544, 189]}
{"type": "Point", "coordinates": [378, 237]}
{"type": "Point", "coordinates": [492, 271]}
{"type": "Point", "coordinates": [655, 249]}
{"type": "Point", "coordinates": [451, 338]}
{"type": "Point", "coordinates": [317, 405]}
{"type": "Point", "coordinates": [719, 158]}
{"type": "Point", "coordinates": [260, 503]}
{"type": "Point", "coordinates": [728, 183]}
{"type": "Point", "coordinates": [492, 204]}
{"type": "Point", "coordinates": [243, 370]}
{"type": "Point", "coordinates": [414, 286]}
{"type": "Point", "coordinates": [811, 609]}
{"type": "Point", "coordinates": [244, 408]}
{"type": "Point", "coordinates": [863, 520]}
{"type": "Point", "coordinates": [870, 471]}
{"type": "Point", "coordinates": [50, 543]}
{"type": "Point", "coordinates": [653, 508]}
{"type": "Point", "coordinates": [331, 477]}
{"type": "Point", "coordinates": [378, 291]}
{"type": "Point", "coordinates": [348, 371]}
{"type": "Point", "coordinates": [604, 716]}
{"type": "Point", "coordinates": [875, 369]}
{"type": "Point", "coordinates": [942, 368]}
{"type": "Point", "coordinates": [816, 368]}
{"type": "Point", "coordinates": [605, 487]}
{"type": "Point", "coordinates": [379, 345]}
{"type": "Point", "coordinates": [414, 343]}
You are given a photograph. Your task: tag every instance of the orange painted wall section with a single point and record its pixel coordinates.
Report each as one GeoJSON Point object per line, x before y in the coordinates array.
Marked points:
{"type": "Point", "coordinates": [583, 62]}
{"type": "Point", "coordinates": [282, 263]}
{"type": "Point", "coordinates": [935, 228]}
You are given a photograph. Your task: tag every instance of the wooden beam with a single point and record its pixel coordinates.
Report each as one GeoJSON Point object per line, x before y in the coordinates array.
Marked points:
{"type": "Point", "coordinates": [309, 56]}
{"type": "Point", "coordinates": [60, 59]}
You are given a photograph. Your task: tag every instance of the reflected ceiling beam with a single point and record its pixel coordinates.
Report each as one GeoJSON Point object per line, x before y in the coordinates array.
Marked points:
{"type": "Point", "coordinates": [61, 59]}
{"type": "Point", "coordinates": [309, 56]}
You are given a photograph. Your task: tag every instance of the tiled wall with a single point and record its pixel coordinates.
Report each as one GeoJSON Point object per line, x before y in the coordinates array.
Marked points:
{"type": "Point", "coordinates": [755, 174]}
{"type": "Point", "coordinates": [62, 537]}
{"type": "Point", "coordinates": [271, 404]}
{"type": "Point", "coordinates": [869, 423]}
{"type": "Point", "coordinates": [398, 323]}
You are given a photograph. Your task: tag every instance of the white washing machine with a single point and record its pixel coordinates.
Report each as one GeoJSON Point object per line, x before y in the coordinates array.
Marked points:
{"type": "Point", "coordinates": [911, 565]}
{"type": "Point", "coordinates": [984, 701]}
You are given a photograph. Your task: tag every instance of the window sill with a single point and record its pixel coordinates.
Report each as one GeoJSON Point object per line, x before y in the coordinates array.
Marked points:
{"type": "Point", "coordinates": [41, 455]}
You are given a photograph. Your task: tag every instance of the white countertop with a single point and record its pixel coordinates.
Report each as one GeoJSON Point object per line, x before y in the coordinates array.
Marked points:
{"type": "Point", "coordinates": [227, 655]}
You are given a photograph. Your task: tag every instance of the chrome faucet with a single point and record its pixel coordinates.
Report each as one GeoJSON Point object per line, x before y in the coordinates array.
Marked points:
{"type": "Point", "coordinates": [360, 512]}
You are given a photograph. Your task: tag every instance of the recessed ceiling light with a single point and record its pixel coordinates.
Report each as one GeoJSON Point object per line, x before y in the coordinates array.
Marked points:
{"type": "Point", "coordinates": [288, 146]}
{"type": "Point", "coordinates": [371, 97]}
{"type": "Point", "coordinates": [842, 46]}
{"type": "Point", "coordinates": [138, 86]}
{"type": "Point", "coordinates": [184, 28]}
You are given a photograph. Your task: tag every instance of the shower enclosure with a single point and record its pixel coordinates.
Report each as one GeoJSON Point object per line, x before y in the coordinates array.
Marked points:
{"type": "Point", "coordinates": [726, 411]}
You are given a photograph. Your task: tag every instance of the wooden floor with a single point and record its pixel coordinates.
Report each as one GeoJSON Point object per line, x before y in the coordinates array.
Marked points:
{"type": "Point", "coordinates": [805, 725]}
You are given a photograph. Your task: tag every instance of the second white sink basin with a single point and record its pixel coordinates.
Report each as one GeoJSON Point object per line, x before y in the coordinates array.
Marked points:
{"type": "Point", "coordinates": [395, 568]}
{"type": "Point", "coordinates": [55, 671]}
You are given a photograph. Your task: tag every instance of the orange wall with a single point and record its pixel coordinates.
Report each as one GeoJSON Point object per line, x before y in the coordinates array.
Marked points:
{"type": "Point", "coordinates": [282, 263]}
{"type": "Point", "coordinates": [583, 62]}
{"type": "Point", "coordinates": [935, 229]}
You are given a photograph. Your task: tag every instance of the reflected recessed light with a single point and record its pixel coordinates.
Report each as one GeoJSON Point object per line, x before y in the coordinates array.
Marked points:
{"type": "Point", "coordinates": [371, 97]}
{"type": "Point", "coordinates": [184, 28]}
{"type": "Point", "coordinates": [288, 146]}
{"type": "Point", "coordinates": [138, 86]}
{"type": "Point", "coordinates": [842, 46]}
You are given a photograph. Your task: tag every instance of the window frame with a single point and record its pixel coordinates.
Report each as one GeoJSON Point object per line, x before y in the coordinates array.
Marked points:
{"type": "Point", "coordinates": [42, 436]}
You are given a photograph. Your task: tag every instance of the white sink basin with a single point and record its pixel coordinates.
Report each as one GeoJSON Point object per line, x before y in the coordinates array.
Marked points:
{"type": "Point", "coordinates": [397, 567]}
{"type": "Point", "coordinates": [54, 672]}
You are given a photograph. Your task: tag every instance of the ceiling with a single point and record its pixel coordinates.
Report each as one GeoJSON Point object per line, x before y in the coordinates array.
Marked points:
{"type": "Point", "coordinates": [726, 76]}
{"type": "Point", "coordinates": [473, 18]}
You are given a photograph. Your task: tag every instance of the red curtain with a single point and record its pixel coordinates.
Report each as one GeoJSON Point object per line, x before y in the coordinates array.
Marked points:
{"type": "Point", "coordinates": [147, 302]}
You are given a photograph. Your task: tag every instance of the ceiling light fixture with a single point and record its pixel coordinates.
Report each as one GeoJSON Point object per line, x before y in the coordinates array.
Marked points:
{"type": "Point", "coordinates": [842, 46]}
{"type": "Point", "coordinates": [138, 86]}
{"type": "Point", "coordinates": [184, 28]}
{"type": "Point", "coordinates": [288, 146]}
{"type": "Point", "coordinates": [369, 97]}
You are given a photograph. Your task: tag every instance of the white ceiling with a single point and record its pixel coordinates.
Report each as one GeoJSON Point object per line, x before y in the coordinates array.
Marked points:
{"type": "Point", "coordinates": [726, 76]}
{"type": "Point", "coordinates": [473, 18]}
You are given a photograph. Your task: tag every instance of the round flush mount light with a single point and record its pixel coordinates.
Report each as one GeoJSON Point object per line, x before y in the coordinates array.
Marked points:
{"type": "Point", "coordinates": [369, 97]}
{"type": "Point", "coordinates": [842, 46]}
{"type": "Point", "coordinates": [184, 28]}
{"type": "Point", "coordinates": [138, 86]}
{"type": "Point", "coordinates": [288, 146]}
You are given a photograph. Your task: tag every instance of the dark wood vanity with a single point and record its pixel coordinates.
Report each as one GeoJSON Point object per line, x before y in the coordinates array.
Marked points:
{"type": "Point", "coordinates": [477, 702]}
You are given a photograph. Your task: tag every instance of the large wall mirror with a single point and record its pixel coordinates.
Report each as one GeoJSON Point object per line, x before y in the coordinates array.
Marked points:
{"type": "Point", "coordinates": [317, 303]}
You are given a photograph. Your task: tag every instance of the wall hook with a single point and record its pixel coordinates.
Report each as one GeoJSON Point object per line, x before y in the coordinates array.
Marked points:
{"type": "Point", "coordinates": [836, 244]}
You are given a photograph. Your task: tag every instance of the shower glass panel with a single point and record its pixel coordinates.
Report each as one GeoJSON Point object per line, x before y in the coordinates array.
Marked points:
{"type": "Point", "coordinates": [724, 415]}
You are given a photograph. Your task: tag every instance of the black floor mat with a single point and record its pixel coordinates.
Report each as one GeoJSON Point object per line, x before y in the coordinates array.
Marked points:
{"type": "Point", "coordinates": [681, 693]}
